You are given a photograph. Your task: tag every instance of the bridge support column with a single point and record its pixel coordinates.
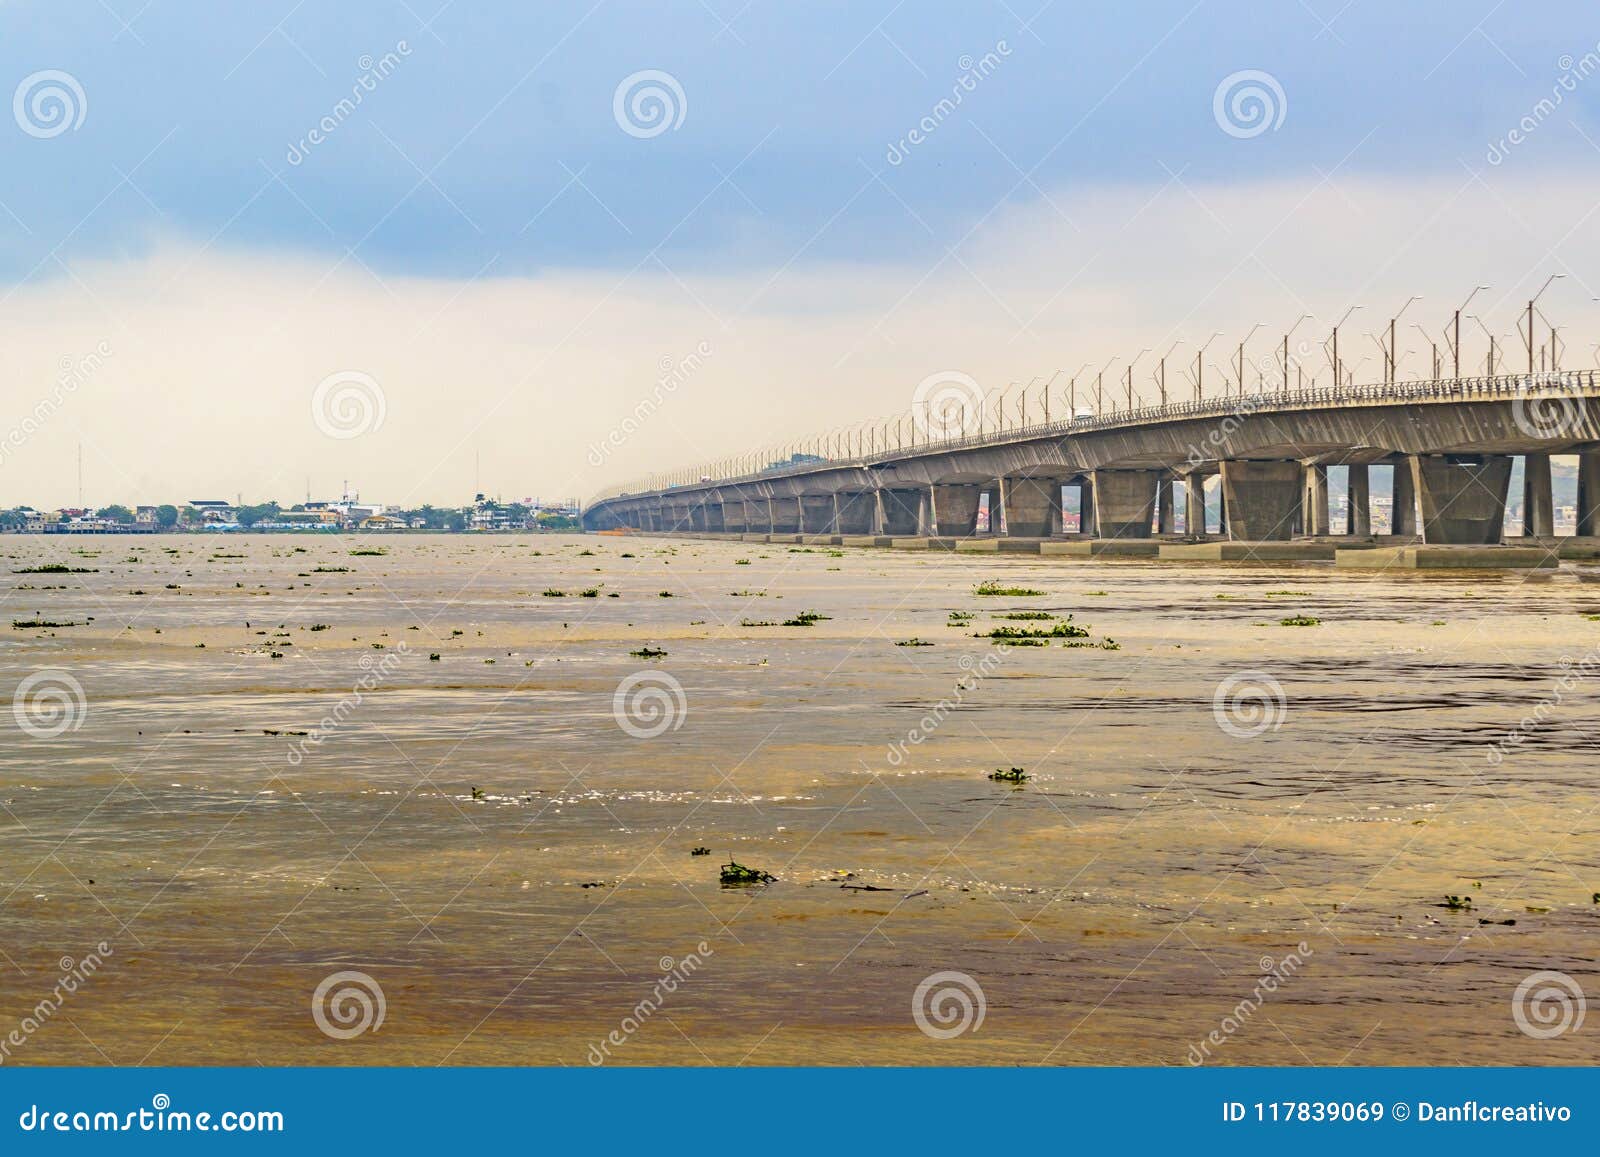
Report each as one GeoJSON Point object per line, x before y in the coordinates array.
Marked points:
{"type": "Point", "coordinates": [1358, 522]}
{"type": "Point", "coordinates": [1124, 502]}
{"type": "Point", "coordinates": [1166, 517]}
{"type": "Point", "coordinates": [816, 514]}
{"type": "Point", "coordinates": [1463, 498]}
{"type": "Point", "coordinates": [713, 516]}
{"type": "Point", "coordinates": [1538, 498]}
{"type": "Point", "coordinates": [854, 511]}
{"type": "Point", "coordinates": [1403, 512]}
{"type": "Point", "coordinates": [1314, 505]}
{"type": "Point", "coordinates": [733, 516]}
{"type": "Point", "coordinates": [899, 512]}
{"type": "Point", "coordinates": [1588, 492]}
{"type": "Point", "coordinates": [1086, 522]}
{"type": "Point", "coordinates": [785, 516]}
{"type": "Point", "coordinates": [1030, 507]}
{"type": "Point", "coordinates": [955, 509]}
{"type": "Point", "coordinates": [1261, 500]}
{"type": "Point", "coordinates": [1194, 505]}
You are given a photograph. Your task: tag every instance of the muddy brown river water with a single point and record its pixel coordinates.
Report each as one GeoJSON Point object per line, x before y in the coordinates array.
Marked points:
{"type": "Point", "coordinates": [502, 842]}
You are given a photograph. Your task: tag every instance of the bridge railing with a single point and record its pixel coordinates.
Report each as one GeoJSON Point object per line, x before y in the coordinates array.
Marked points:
{"type": "Point", "coordinates": [1534, 386]}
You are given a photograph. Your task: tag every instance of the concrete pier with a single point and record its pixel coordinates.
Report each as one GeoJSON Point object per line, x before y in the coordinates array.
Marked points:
{"type": "Point", "coordinates": [1263, 500]}
{"type": "Point", "coordinates": [1124, 503]}
{"type": "Point", "coordinates": [1463, 497]}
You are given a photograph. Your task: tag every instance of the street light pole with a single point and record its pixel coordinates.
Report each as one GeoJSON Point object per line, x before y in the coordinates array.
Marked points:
{"type": "Point", "coordinates": [1292, 328]}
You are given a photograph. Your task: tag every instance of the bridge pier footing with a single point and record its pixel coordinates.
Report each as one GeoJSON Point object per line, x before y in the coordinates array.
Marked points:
{"type": "Point", "coordinates": [1124, 502]}
{"type": "Point", "coordinates": [955, 509]}
{"type": "Point", "coordinates": [1463, 497]}
{"type": "Point", "coordinates": [1030, 507]}
{"type": "Point", "coordinates": [1538, 497]}
{"type": "Point", "coordinates": [1358, 494]}
{"type": "Point", "coordinates": [1261, 500]}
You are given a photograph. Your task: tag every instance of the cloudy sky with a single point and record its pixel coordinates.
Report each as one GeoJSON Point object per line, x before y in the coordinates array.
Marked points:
{"type": "Point", "coordinates": [248, 248]}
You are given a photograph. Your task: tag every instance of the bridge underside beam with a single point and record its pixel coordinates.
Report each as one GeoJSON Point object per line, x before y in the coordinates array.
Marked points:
{"type": "Point", "coordinates": [1031, 507]}
{"type": "Point", "coordinates": [955, 509]}
{"type": "Point", "coordinates": [1124, 502]}
{"type": "Point", "coordinates": [1262, 499]}
{"type": "Point", "coordinates": [1463, 498]}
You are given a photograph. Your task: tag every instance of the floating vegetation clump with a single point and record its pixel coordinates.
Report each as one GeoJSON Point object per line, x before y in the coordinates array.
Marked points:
{"type": "Point", "coordinates": [741, 562]}
{"type": "Point", "coordinates": [1300, 621]}
{"type": "Point", "coordinates": [1014, 775]}
{"type": "Point", "coordinates": [57, 568]}
{"type": "Point", "coordinates": [700, 851]}
{"type": "Point", "coordinates": [1026, 616]}
{"type": "Point", "coordinates": [735, 874]}
{"type": "Point", "coordinates": [758, 622]}
{"type": "Point", "coordinates": [995, 588]}
{"type": "Point", "coordinates": [665, 594]}
{"type": "Point", "coordinates": [29, 624]}
{"type": "Point", "coordinates": [330, 570]}
{"type": "Point", "coordinates": [1288, 594]}
{"type": "Point", "coordinates": [477, 793]}
{"type": "Point", "coordinates": [589, 593]}
{"type": "Point", "coordinates": [806, 619]}
{"type": "Point", "coordinates": [747, 594]}
{"type": "Point", "coordinates": [1058, 631]}
{"type": "Point", "coordinates": [1457, 903]}
{"type": "Point", "coordinates": [370, 551]}
{"type": "Point", "coordinates": [317, 627]}
{"type": "Point", "coordinates": [553, 593]}
{"type": "Point", "coordinates": [1093, 645]}
{"type": "Point", "coordinates": [648, 653]}
{"type": "Point", "coordinates": [960, 618]}
{"type": "Point", "coordinates": [913, 642]}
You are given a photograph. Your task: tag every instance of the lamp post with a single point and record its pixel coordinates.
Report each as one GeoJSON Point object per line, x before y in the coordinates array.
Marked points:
{"type": "Point", "coordinates": [1200, 367]}
{"type": "Point", "coordinates": [1433, 344]}
{"type": "Point", "coordinates": [1239, 368]}
{"type": "Point", "coordinates": [1099, 386]}
{"type": "Point", "coordinates": [1528, 337]}
{"type": "Point", "coordinates": [1333, 359]}
{"type": "Point", "coordinates": [1286, 337]}
{"type": "Point", "coordinates": [1453, 339]}
{"type": "Point", "coordinates": [1072, 392]}
{"type": "Point", "coordinates": [1131, 364]}
{"type": "Point", "coordinates": [1161, 371]}
{"type": "Point", "coordinates": [1391, 354]}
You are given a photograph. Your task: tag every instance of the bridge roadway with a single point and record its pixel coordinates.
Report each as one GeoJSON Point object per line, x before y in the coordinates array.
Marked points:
{"type": "Point", "coordinates": [1451, 444]}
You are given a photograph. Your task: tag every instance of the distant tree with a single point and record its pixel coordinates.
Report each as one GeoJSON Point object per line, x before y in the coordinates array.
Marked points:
{"type": "Point", "coordinates": [190, 516]}
{"type": "Point", "coordinates": [264, 512]}
{"type": "Point", "coordinates": [115, 513]}
{"type": "Point", "coordinates": [455, 520]}
{"type": "Point", "coordinates": [558, 522]}
{"type": "Point", "coordinates": [166, 516]}
{"type": "Point", "coordinates": [11, 519]}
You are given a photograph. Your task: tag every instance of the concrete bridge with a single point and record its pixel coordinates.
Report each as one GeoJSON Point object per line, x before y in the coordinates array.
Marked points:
{"type": "Point", "coordinates": [1117, 477]}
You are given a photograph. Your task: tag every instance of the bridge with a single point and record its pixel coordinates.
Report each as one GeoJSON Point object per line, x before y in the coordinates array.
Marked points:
{"type": "Point", "coordinates": [1116, 477]}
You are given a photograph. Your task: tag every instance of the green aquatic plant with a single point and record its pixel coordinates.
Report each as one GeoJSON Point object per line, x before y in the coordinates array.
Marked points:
{"type": "Point", "coordinates": [1058, 631]}
{"type": "Point", "coordinates": [1027, 616]}
{"type": "Point", "coordinates": [734, 874]}
{"type": "Point", "coordinates": [1300, 621]}
{"type": "Point", "coordinates": [913, 642]}
{"type": "Point", "coordinates": [57, 568]}
{"type": "Point", "coordinates": [649, 653]}
{"type": "Point", "coordinates": [700, 851]}
{"type": "Point", "coordinates": [1457, 903]}
{"type": "Point", "coordinates": [1015, 775]}
{"type": "Point", "coordinates": [994, 588]}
